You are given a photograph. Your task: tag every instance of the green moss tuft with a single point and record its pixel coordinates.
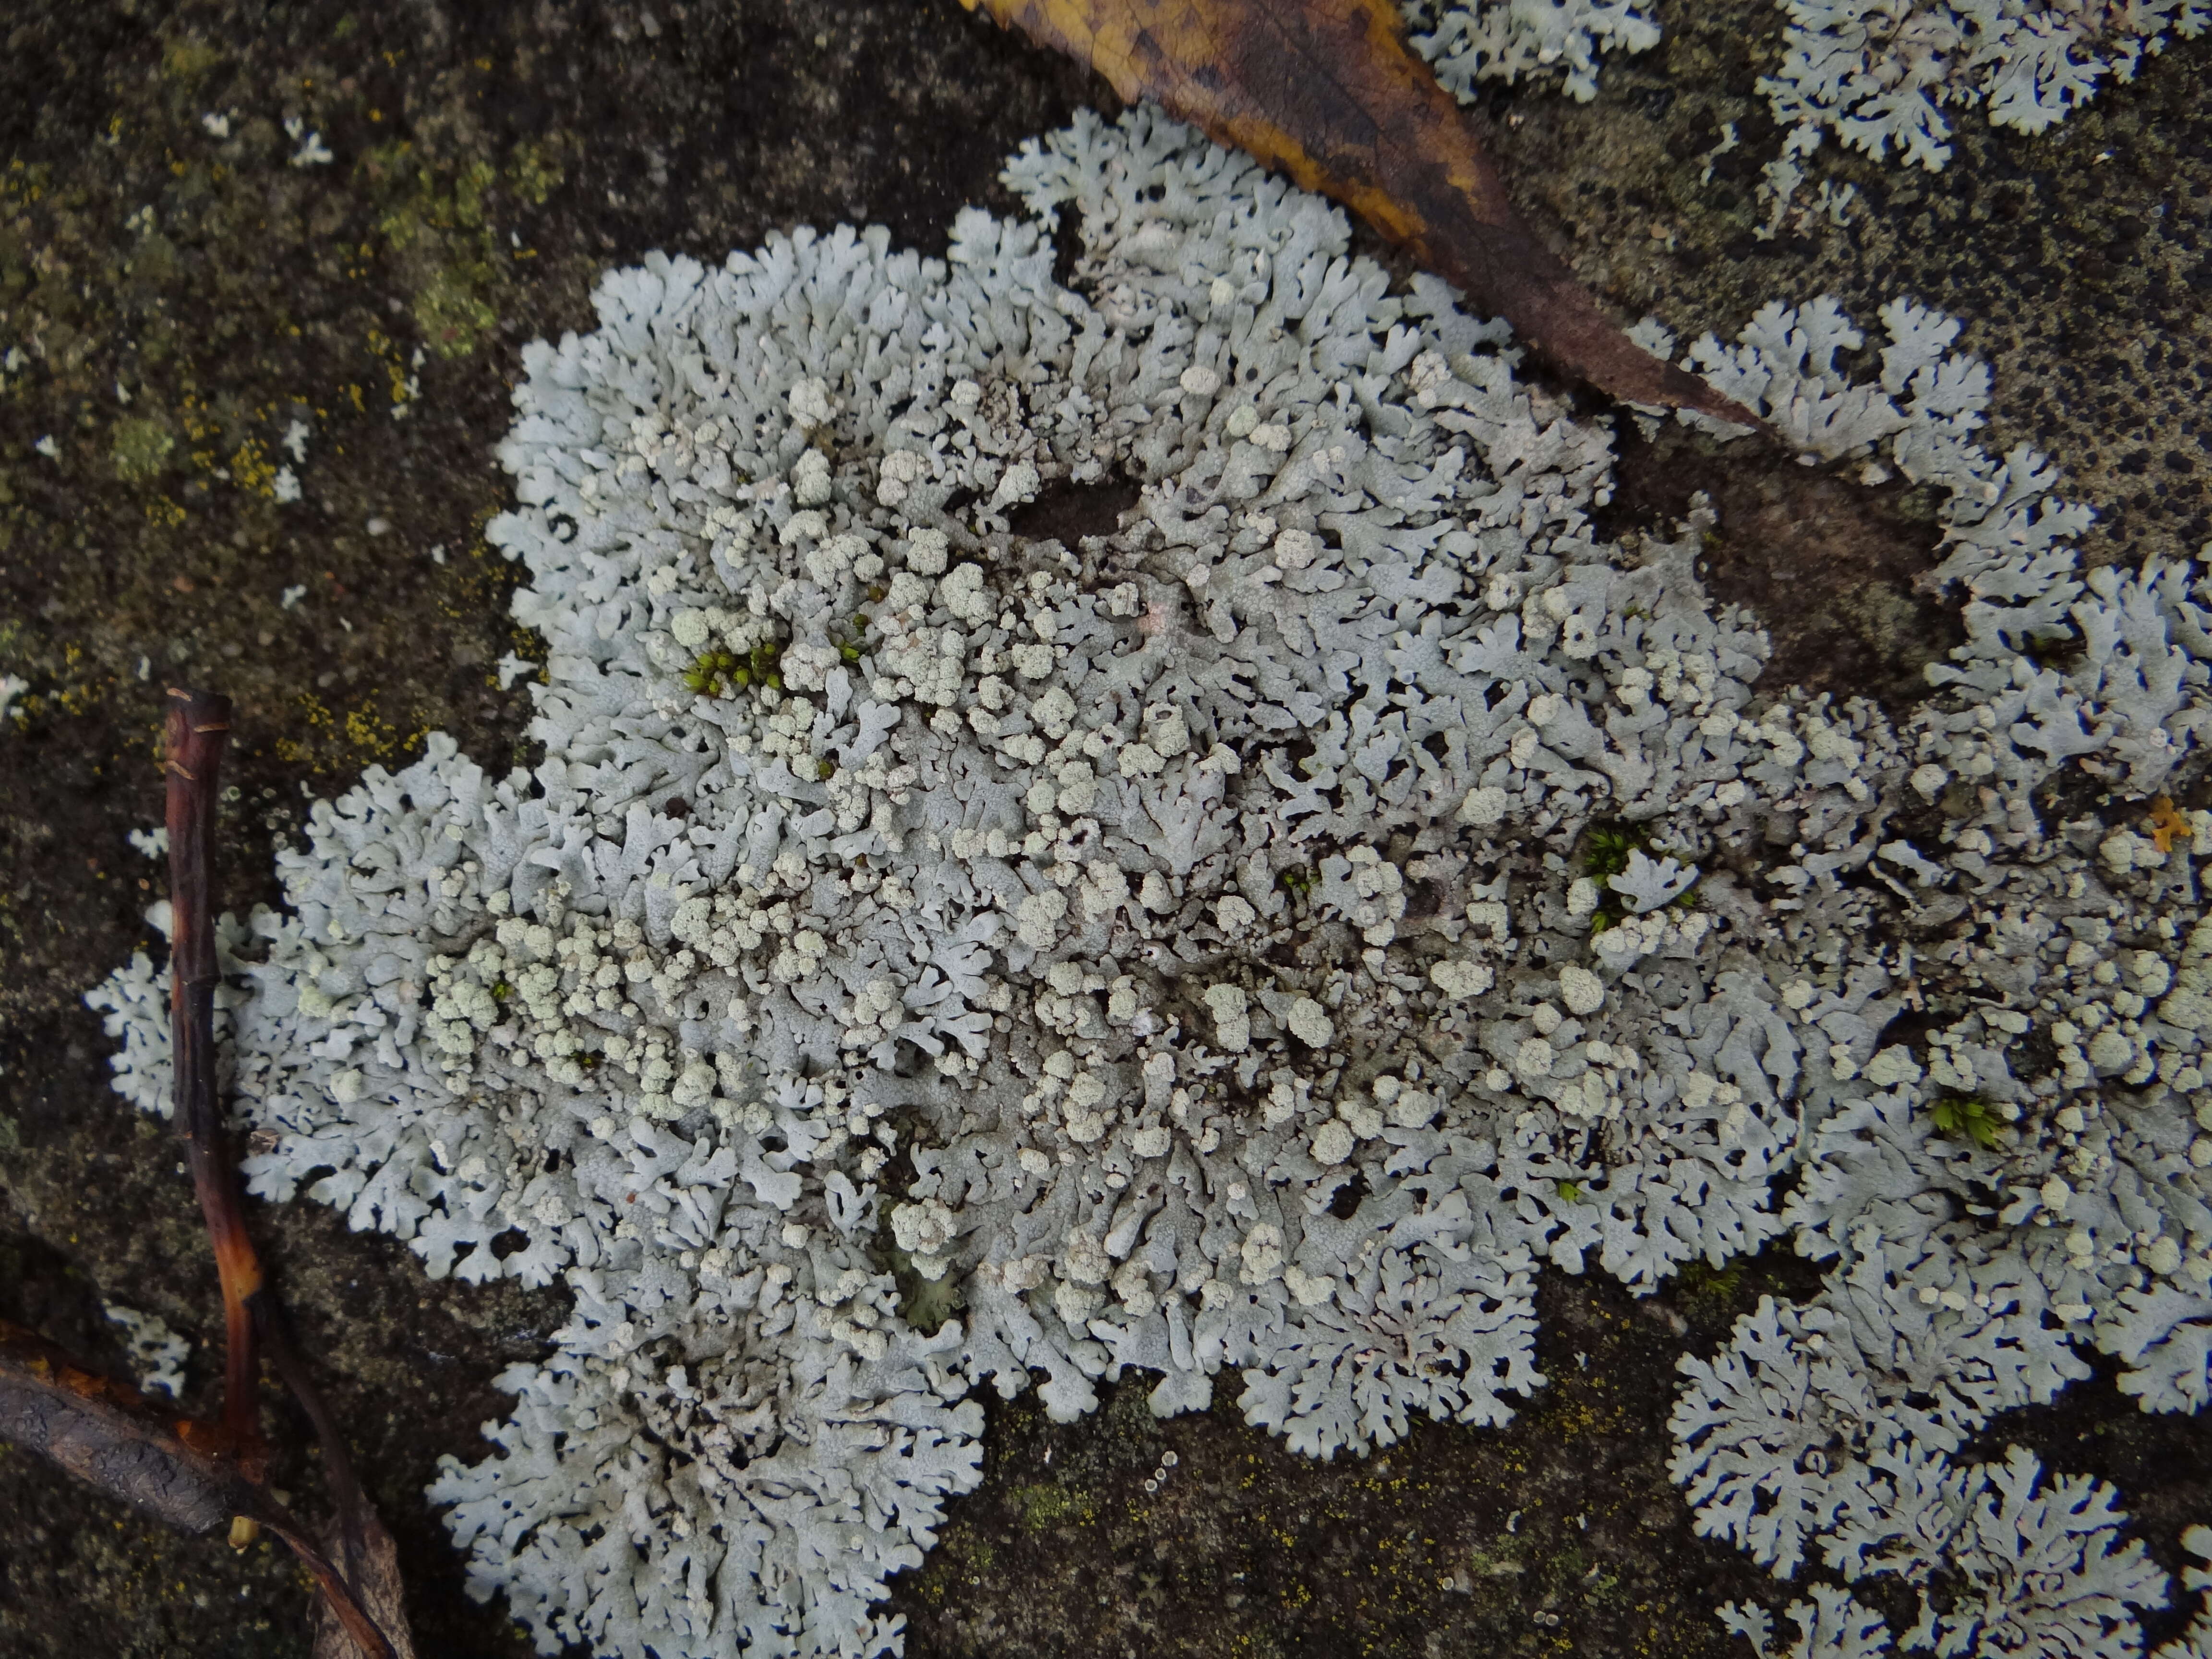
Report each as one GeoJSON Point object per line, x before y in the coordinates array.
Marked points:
{"type": "Point", "coordinates": [141, 449]}
{"type": "Point", "coordinates": [1964, 1119]}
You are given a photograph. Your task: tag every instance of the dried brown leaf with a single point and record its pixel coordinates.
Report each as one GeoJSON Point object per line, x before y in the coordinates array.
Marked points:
{"type": "Point", "coordinates": [364, 1553]}
{"type": "Point", "coordinates": [1329, 91]}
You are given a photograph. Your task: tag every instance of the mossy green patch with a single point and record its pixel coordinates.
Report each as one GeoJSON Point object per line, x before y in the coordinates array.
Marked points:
{"type": "Point", "coordinates": [142, 446]}
{"type": "Point", "coordinates": [1966, 1120]}
{"type": "Point", "coordinates": [534, 172]}
{"type": "Point", "coordinates": [722, 673]}
{"type": "Point", "coordinates": [925, 1304]}
{"type": "Point", "coordinates": [452, 311]}
{"type": "Point", "coordinates": [187, 60]}
{"type": "Point", "coordinates": [1605, 847]}
{"type": "Point", "coordinates": [1048, 1505]}
{"type": "Point", "coordinates": [153, 262]}
{"type": "Point", "coordinates": [1707, 1290]}
{"type": "Point", "coordinates": [439, 224]}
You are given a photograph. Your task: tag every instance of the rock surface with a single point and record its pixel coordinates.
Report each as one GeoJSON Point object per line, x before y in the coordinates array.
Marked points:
{"type": "Point", "coordinates": [189, 286]}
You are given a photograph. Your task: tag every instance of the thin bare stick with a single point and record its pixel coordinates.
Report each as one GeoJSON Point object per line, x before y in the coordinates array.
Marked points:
{"type": "Point", "coordinates": [198, 731]}
{"type": "Point", "coordinates": [337, 1466]}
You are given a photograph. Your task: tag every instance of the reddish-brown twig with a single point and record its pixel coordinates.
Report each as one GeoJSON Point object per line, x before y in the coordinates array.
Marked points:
{"type": "Point", "coordinates": [198, 731]}
{"type": "Point", "coordinates": [193, 1474]}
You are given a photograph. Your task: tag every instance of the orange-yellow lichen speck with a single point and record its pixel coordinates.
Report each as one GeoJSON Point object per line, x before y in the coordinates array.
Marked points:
{"type": "Point", "coordinates": [2166, 823]}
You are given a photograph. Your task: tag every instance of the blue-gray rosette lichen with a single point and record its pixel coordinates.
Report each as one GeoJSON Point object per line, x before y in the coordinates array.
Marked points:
{"type": "Point", "coordinates": [1241, 941]}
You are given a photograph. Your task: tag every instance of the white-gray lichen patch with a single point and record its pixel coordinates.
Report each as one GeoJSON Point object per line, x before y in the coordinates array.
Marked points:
{"type": "Point", "coordinates": [1992, 1203]}
{"type": "Point", "coordinates": [2194, 1642]}
{"type": "Point", "coordinates": [1873, 73]}
{"type": "Point", "coordinates": [1249, 940]}
{"type": "Point", "coordinates": [1509, 41]}
{"type": "Point", "coordinates": [157, 1352]}
{"type": "Point", "coordinates": [1878, 73]}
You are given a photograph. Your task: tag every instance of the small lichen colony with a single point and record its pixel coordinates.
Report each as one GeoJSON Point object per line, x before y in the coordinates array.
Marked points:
{"type": "Point", "coordinates": [1881, 72]}
{"type": "Point", "coordinates": [1510, 40]}
{"type": "Point", "coordinates": [1877, 75]}
{"type": "Point", "coordinates": [1884, 78]}
{"type": "Point", "coordinates": [1238, 937]}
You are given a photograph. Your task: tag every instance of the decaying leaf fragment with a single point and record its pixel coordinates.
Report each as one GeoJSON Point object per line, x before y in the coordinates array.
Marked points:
{"type": "Point", "coordinates": [1327, 91]}
{"type": "Point", "coordinates": [364, 1551]}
